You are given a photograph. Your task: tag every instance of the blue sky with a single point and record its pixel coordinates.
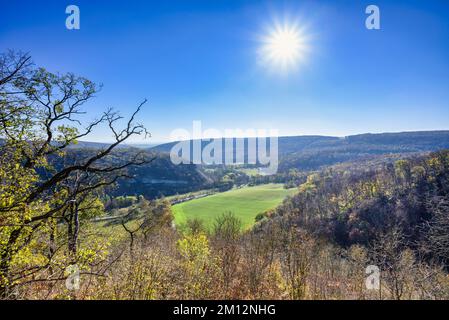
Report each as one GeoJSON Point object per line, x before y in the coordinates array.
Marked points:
{"type": "Point", "coordinates": [198, 60]}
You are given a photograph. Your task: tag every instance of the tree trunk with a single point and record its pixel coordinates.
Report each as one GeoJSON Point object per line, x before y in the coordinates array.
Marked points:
{"type": "Point", "coordinates": [75, 230]}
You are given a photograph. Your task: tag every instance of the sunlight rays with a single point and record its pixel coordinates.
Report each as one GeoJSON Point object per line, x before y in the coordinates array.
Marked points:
{"type": "Point", "coordinates": [284, 48]}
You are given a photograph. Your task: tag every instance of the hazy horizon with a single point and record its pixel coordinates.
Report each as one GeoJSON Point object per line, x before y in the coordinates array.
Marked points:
{"type": "Point", "coordinates": [155, 143]}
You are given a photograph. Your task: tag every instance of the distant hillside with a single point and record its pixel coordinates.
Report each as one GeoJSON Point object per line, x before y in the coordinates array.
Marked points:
{"type": "Point", "coordinates": [286, 144]}
{"type": "Point", "coordinates": [158, 178]}
{"type": "Point", "coordinates": [99, 145]}
{"type": "Point", "coordinates": [304, 153]}
{"type": "Point", "coordinates": [313, 152]}
{"type": "Point", "coordinates": [162, 178]}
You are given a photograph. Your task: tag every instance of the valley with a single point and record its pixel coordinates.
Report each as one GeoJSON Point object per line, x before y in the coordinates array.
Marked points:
{"type": "Point", "coordinates": [245, 202]}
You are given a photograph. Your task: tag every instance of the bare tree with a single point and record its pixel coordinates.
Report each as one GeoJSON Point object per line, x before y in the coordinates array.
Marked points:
{"type": "Point", "coordinates": [297, 251]}
{"type": "Point", "coordinates": [227, 228]}
{"type": "Point", "coordinates": [436, 231]}
{"type": "Point", "coordinates": [395, 261]}
{"type": "Point", "coordinates": [39, 121]}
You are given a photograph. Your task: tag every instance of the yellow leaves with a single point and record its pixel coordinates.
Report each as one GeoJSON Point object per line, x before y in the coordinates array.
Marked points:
{"type": "Point", "coordinates": [198, 264]}
{"type": "Point", "coordinates": [31, 255]}
{"type": "Point", "coordinates": [86, 256]}
{"type": "Point", "coordinates": [92, 250]}
{"type": "Point", "coordinates": [313, 178]}
{"type": "Point", "coordinates": [59, 108]}
{"type": "Point", "coordinates": [418, 172]}
{"type": "Point", "coordinates": [92, 208]}
{"type": "Point", "coordinates": [194, 248]}
{"type": "Point", "coordinates": [434, 162]}
{"type": "Point", "coordinates": [66, 132]}
{"type": "Point", "coordinates": [307, 187]}
{"type": "Point", "coordinates": [358, 254]}
{"type": "Point", "coordinates": [15, 181]}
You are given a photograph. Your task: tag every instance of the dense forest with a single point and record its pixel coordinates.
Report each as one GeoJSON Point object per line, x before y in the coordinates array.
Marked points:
{"type": "Point", "coordinates": [93, 222]}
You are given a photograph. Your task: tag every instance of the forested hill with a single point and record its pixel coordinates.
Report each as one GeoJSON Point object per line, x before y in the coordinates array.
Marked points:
{"type": "Point", "coordinates": [286, 144]}
{"type": "Point", "coordinates": [401, 142]}
{"type": "Point", "coordinates": [420, 140]}
{"type": "Point", "coordinates": [313, 152]}
{"type": "Point", "coordinates": [355, 202]}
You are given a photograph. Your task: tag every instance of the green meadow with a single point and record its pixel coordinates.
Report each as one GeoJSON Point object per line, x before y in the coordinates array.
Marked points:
{"type": "Point", "coordinates": [245, 203]}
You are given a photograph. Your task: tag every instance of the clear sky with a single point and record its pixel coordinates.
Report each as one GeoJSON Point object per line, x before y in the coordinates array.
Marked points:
{"type": "Point", "coordinates": [200, 60]}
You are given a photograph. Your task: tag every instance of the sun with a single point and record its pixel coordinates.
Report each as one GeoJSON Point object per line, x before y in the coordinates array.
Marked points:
{"type": "Point", "coordinates": [284, 48]}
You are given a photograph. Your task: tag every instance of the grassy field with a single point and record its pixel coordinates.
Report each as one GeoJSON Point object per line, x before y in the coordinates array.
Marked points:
{"type": "Point", "coordinates": [250, 171]}
{"type": "Point", "coordinates": [245, 203]}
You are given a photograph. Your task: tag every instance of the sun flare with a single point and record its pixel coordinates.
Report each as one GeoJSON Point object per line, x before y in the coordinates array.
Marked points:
{"type": "Point", "coordinates": [284, 48]}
